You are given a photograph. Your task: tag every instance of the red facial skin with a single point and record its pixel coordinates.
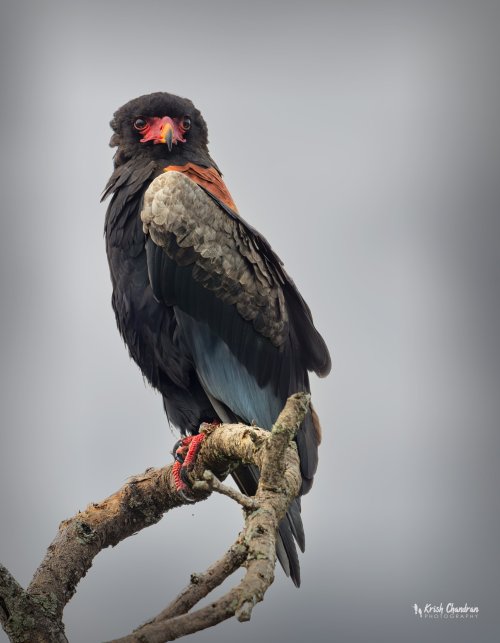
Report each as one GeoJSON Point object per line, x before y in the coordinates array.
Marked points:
{"type": "Point", "coordinates": [170, 131]}
{"type": "Point", "coordinates": [160, 130]}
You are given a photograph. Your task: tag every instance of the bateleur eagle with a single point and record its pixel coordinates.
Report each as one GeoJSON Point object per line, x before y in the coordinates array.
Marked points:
{"type": "Point", "coordinates": [201, 299]}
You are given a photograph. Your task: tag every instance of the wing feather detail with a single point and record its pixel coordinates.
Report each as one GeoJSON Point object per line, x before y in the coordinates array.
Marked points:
{"type": "Point", "coordinates": [192, 229]}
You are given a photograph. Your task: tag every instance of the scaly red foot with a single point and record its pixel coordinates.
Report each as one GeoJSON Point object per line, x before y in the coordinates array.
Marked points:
{"type": "Point", "coordinates": [185, 454]}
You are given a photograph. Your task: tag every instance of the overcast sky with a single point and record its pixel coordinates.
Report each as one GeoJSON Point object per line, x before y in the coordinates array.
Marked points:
{"type": "Point", "coordinates": [363, 140]}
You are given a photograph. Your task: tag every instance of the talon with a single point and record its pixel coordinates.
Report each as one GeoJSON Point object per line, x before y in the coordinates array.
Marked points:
{"type": "Point", "coordinates": [186, 496]}
{"type": "Point", "coordinates": [184, 453]}
{"type": "Point", "coordinates": [179, 454]}
{"type": "Point", "coordinates": [177, 446]}
{"type": "Point", "coordinates": [181, 449]}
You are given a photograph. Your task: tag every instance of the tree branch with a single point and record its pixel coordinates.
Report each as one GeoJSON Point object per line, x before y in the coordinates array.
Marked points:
{"type": "Point", "coordinates": [142, 501]}
{"type": "Point", "coordinates": [25, 617]}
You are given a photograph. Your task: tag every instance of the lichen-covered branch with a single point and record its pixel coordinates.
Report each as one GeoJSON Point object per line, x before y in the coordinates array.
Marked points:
{"type": "Point", "coordinates": [27, 618]}
{"type": "Point", "coordinates": [277, 459]}
{"type": "Point", "coordinates": [36, 614]}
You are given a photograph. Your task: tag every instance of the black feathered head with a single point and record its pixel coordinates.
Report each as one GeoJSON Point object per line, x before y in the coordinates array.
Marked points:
{"type": "Point", "coordinates": [160, 126]}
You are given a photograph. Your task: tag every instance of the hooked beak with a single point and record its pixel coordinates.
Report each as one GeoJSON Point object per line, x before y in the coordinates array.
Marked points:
{"type": "Point", "coordinates": [166, 135]}
{"type": "Point", "coordinates": [160, 130]}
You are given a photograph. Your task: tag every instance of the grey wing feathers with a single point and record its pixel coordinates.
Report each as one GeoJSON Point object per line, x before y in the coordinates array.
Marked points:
{"type": "Point", "coordinates": [225, 260]}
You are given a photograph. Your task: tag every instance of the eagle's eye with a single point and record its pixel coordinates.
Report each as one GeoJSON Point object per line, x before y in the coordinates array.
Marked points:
{"type": "Point", "coordinates": [186, 123]}
{"type": "Point", "coordinates": [140, 124]}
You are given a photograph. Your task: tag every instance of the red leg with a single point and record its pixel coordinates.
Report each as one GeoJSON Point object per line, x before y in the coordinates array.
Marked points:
{"type": "Point", "coordinates": [180, 485]}
{"type": "Point", "coordinates": [194, 447]}
{"type": "Point", "coordinates": [185, 455]}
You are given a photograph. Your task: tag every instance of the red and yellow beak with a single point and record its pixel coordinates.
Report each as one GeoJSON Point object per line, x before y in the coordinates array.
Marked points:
{"type": "Point", "coordinates": [160, 130]}
{"type": "Point", "coordinates": [167, 133]}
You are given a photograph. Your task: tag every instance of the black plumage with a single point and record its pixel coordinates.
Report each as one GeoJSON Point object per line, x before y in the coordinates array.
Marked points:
{"type": "Point", "coordinates": [201, 299]}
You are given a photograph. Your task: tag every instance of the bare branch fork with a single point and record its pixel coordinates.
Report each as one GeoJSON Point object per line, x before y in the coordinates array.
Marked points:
{"type": "Point", "coordinates": [34, 615]}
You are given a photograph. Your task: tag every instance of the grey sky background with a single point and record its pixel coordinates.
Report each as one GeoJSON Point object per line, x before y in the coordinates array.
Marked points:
{"type": "Point", "coordinates": [363, 140]}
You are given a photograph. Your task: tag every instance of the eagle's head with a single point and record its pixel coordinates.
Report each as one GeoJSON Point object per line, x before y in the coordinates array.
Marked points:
{"type": "Point", "coordinates": [160, 126]}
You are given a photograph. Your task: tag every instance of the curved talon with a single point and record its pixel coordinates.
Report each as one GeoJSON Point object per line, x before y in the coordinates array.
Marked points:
{"type": "Point", "coordinates": [181, 448]}
{"type": "Point", "coordinates": [186, 496]}
{"type": "Point", "coordinates": [176, 451]}
{"type": "Point", "coordinates": [176, 446]}
{"type": "Point", "coordinates": [180, 485]}
{"type": "Point", "coordinates": [179, 455]}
